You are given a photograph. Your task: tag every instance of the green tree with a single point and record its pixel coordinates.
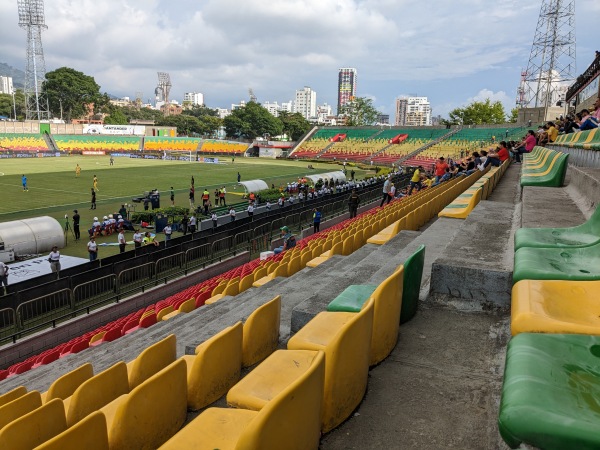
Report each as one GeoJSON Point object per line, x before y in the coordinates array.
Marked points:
{"type": "Point", "coordinates": [69, 91]}
{"type": "Point", "coordinates": [294, 125]}
{"type": "Point", "coordinates": [201, 111]}
{"type": "Point", "coordinates": [479, 113]}
{"type": "Point", "coordinates": [251, 121]}
{"type": "Point", "coordinates": [116, 117]}
{"type": "Point", "coordinates": [359, 112]}
{"type": "Point", "coordinates": [7, 108]}
{"type": "Point", "coordinates": [186, 125]}
{"type": "Point", "coordinates": [514, 115]}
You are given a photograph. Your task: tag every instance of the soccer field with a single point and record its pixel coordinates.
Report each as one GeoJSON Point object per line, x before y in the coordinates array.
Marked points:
{"type": "Point", "coordinates": [54, 190]}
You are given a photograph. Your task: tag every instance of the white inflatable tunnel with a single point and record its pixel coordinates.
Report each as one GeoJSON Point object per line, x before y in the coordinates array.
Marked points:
{"type": "Point", "coordinates": [31, 236]}
{"type": "Point", "coordinates": [254, 185]}
{"type": "Point", "coordinates": [335, 176]}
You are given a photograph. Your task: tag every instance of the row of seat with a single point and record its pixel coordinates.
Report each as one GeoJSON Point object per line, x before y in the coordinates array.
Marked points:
{"type": "Point", "coordinates": [144, 402]}
{"type": "Point", "coordinates": [312, 386]}
{"type": "Point", "coordinates": [24, 142]}
{"type": "Point", "coordinates": [66, 142]}
{"type": "Point", "coordinates": [544, 167]}
{"type": "Point", "coordinates": [233, 148]}
{"type": "Point", "coordinates": [411, 216]}
{"type": "Point", "coordinates": [587, 140]}
{"type": "Point", "coordinates": [549, 394]}
{"type": "Point", "coordinates": [461, 207]}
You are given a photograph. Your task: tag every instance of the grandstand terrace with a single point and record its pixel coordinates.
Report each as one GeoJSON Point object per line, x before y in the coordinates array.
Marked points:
{"type": "Point", "coordinates": [186, 144]}
{"type": "Point", "coordinates": [105, 143]}
{"type": "Point", "coordinates": [346, 374]}
{"type": "Point", "coordinates": [223, 147]}
{"type": "Point", "coordinates": [22, 142]}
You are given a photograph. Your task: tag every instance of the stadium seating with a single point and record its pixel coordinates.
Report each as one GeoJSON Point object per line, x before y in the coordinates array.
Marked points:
{"type": "Point", "coordinates": [223, 147]}
{"type": "Point", "coordinates": [90, 433]}
{"type": "Point", "coordinates": [18, 407]}
{"type": "Point", "coordinates": [261, 332]}
{"type": "Point", "coordinates": [555, 306]}
{"type": "Point", "coordinates": [64, 386]}
{"type": "Point", "coordinates": [549, 395]}
{"type": "Point", "coordinates": [346, 340]}
{"type": "Point", "coordinates": [161, 144]}
{"type": "Point", "coordinates": [549, 171]}
{"type": "Point", "coordinates": [215, 367]}
{"type": "Point", "coordinates": [22, 142]}
{"type": "Point", "coordinates": [151, 413]}
{"type": "Point", "coordinates": [289, 419]}
{"type": "Point", "coordinates": [106, 143]}
{"type": "Point", "coordinates": [150, 361]}
{"type": "Point", "coordinates": [582, 235]}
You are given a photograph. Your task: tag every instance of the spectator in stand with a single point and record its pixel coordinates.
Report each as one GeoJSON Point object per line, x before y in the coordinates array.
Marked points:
{"type": "Point", "coordinates": [289, 241]}
{"type": "Point", "coordinates": [496, 157]}
{"type": "Point", "coordinates": [353, 202]}
{"type": "Point", "coordinates": [526, 146]}
{"type": "Point", "coordinates": [316, 220]}
{"type": "Point", "coordinates": [552, 132]}
{"type": "Point", "coordinates": [415, 181]}
{"type": "Point", "coordinates": [386, 190]}
{"type": "Point", "coordinates": [440, 168]}
{"type": "Point", "coordinates": [588, 122]}
{"type": "Point", "coordinates": [597, 109]}
{"type": "Point", "coordinates": [569, 125]}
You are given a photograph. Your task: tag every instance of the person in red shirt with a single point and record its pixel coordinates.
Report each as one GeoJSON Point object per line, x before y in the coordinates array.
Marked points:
{"type": "Point", "coordinates": [496, 157]}
{"type": "Point", "coordinates": [440, 169]}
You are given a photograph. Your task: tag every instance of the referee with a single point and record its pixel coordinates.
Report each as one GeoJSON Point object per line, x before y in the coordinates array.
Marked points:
{"type": "Point", "coordinates": [76, 218]}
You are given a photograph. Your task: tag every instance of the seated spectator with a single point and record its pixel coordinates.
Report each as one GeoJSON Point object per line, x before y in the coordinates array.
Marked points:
{"type": "Point", "coordinates": [289, 241]}
{"type": "Point", "coordinates": [597, 109]}
{"type": "Point", "coordinates": [526, 146]}
{"type": "Point", "coordinates": [552, 132]}
{"type": "Point", "coordinates": [569, 125]}
{"type": "Point", "coordinates": [588, 122]}
{"type": "Point", "coordinates": [496, 157]}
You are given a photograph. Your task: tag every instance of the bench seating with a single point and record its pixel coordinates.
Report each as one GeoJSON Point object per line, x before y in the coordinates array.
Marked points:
{"type": "Point", "coordinates": [553, 306]}
{"type": "Point", "coordinates": [346, 340]}
{"type": "Point", "coordinates": [586, 234]}
{"type": "Point", "coordinates": [288, 419]}
{"type": "Point", "coordinates": [550, 392]}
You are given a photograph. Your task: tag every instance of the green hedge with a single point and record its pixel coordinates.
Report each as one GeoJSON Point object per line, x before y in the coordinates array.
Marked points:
{"type": "Point", "coordinates": [148, 216]}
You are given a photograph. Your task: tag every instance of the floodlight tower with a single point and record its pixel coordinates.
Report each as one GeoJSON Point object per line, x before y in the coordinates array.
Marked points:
{"type": "Point", "coordinates": [552, 59]}
{"type": "Point", "coordinates": [31, 18]}
{"type": "Point", "coordinates": [164, 86]}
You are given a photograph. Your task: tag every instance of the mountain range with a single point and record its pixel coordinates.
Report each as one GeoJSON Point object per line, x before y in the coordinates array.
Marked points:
{"type": "Point", "coordinates": [17, 75]}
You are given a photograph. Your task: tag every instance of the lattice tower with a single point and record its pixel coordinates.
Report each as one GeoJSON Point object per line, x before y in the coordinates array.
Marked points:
{"type": "Point", "coordinates": [551, 67]}
{"type": "Point", "coordinates": [31, 19]}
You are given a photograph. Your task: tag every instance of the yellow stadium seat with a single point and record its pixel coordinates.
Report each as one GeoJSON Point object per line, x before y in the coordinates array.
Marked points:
{"type": "Point", "coordinates": [261, 332]}
{"type": "Point", "coordinates": [19, 407]}
{"type": "Point", "coordinates": [63, 387]}
{"type": "Point", "coordinates": [151, 360]}
{"type": "Point", "coordinates": [89, 434]}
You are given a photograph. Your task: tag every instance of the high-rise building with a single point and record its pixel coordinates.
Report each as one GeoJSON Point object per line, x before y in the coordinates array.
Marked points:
{"type": "Point", "coordinates": [346, 87]}
{"type": "Point", "coordinates": [6, 85]}
{"type": "Point", "coordinates": [413, 111]}
{"type": "Point", "coordinates": [193, 98]}
{"type": "Point", "coordinates": [306, 103]}
{"type": "Point", "coordinates": [273, 108]}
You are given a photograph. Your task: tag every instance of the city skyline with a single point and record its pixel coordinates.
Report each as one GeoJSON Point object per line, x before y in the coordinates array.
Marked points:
{"type": "Point", "coordinates": [453, 53]}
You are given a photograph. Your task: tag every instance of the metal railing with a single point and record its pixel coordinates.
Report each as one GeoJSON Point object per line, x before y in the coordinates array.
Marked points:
{"type": "Point", "coordinates": [95, 290]}
{"type": "Point", "coordinates": [44, 307]}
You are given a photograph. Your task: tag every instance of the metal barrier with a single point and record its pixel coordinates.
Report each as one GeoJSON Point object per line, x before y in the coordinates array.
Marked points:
{"type": "Point", "coordinates": [169, 266]}
{"type": "Point", "coordinates": [94, 291]}
{"type": "Point", "coordinates": [293, 222]}
{"type": "Point", "coordinates": [261, 230]}
{"type": "Point", "coordinates": [8, 322]}
{"type": "Point", "coordinates": [44, 308]}
{"type": "Point", "coordinates": [242, 241]}
{"type": "Point", "coordinates": [136, 277]}
{"type": "Point", "coordinates": [260, 244]}
{"type": "Point", "coordinates": [221, 248]}
{"type": "Point", "coordinates": [197, 257]}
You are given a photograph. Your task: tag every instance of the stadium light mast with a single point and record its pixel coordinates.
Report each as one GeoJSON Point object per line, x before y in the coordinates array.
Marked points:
{"type": "Point", "coordinates": [31, 19]}
{"type": "Point", "coordinates": [551, 67]}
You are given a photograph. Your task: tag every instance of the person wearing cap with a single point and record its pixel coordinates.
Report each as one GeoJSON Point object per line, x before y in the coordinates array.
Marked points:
{"type": "Point", "coordinates": [96, 227]}
{"type": "Point", "coordinates": [54, 260]}
{"type": "Point", "coordinates": [76, 219]}
{"type": "Point", "coordinates": [289, 240]}
{"type": "Point", "coordinates": [92, 249]}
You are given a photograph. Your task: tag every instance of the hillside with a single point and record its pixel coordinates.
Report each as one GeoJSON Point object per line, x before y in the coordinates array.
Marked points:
{"type": "Point", "coordinates": [17, 75]}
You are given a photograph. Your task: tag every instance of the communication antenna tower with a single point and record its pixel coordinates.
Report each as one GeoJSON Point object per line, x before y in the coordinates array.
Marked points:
{"type": "Point", "coordinates": [551, 65]}
{"type": "Point", "coordinates": [31, 19]}
{"type": "Point", "coordinates": [252, 96]}
{"type": "Point", "coordinates": [138, 98]}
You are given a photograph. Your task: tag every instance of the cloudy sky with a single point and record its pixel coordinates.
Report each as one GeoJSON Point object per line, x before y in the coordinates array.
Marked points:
{"type": "Point", "coordinates": [453, 52]}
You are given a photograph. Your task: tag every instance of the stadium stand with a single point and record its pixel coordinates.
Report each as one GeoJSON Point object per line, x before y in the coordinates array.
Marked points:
{"type": "Point", "coordinates": [106, 143]}
{"type": "Point", "coordinates": [186, 144]}
{"type": "Point", "coordinates": [544, 167]}
{"type": "Point", "coordinates": [22, 142]}
{"type": "Point", "coordinates": [223, 147]}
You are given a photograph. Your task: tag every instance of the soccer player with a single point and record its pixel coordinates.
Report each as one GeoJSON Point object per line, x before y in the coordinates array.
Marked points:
{"type": "Point", "coordinates": [77, 171]}
{"type": "Point", "coordinates": [95, 180]}
{"type": "Point", "coordinates": [24, 182]}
